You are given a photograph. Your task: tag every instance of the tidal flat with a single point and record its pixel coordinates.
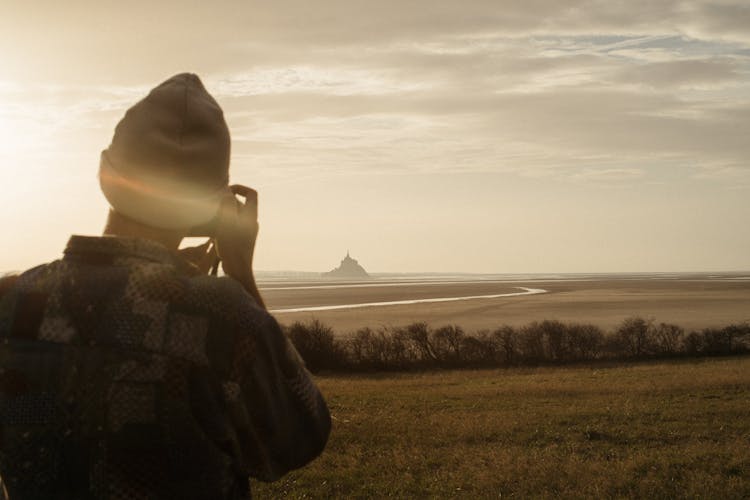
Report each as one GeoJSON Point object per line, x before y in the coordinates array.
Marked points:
{"type": "Point", "coordinates": [691, 301]}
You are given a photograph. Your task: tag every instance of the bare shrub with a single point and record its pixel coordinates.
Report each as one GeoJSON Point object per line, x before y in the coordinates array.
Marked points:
{"type": "Point", "coordinates": [446, 342]}
{"type": "Point", "coordinates": [555, 334]}
{"type": "Point", "coordinates": [740, 334]}
{"type": "Point", "coordinates": [383, 348]}
{"type": "Point", "coordinates": [419, 334]}
{"type": "Point", "coordinates": [585, 342]}
{"type": "Point", "coordinates": [531, 343]}
{"type": "Point", "coordinates": [401, 351]}
{"type": "Point", "coordinates": [366, 347]}
{"type": "Point", "coordinates": [550, 341]}
{"type": "Point", "coordinates": [732, 339]}
{"type": "Point", "coordinates": [668, 339]}
{"type": "Point", "coordinates": [506, 339]}
{"type": "Point", "coordinates": [693, 343]}
{"type": "Point", "coordinates": [316, 344]}
{"type": "Point", "coordinates": [479, 349]}
{"type": "Point", "coordinates": [635, 336]}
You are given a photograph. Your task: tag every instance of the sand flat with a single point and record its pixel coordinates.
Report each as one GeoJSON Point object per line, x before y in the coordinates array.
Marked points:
{"type": "Point", "coordinates": [692, 303]}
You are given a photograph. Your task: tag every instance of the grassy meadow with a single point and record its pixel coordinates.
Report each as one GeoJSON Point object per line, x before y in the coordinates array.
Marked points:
{"type": "Point", "coordinates": [651, 430]}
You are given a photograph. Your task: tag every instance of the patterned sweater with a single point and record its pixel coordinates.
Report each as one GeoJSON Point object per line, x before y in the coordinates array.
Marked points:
{"type": "Point", "coordinates": [124, 376]}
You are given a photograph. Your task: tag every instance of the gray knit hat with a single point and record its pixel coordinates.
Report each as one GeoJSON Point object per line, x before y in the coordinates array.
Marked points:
{"type": "Point", "coordinates": [168, 163]}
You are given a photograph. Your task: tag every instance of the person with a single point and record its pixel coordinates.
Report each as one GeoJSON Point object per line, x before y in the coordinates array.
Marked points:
{"type": "Point", "coordinates": [126, 370]}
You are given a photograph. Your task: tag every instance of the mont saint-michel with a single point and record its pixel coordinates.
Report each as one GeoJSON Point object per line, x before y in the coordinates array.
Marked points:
{"type": "Point", "coordinates": [348, 269]}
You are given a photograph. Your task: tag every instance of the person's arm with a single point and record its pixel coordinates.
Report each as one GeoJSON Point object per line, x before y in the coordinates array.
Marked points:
{"type": "Point", "coordinates": [236, 233]}
{"type": "Point", "coordinates": [280, 417]}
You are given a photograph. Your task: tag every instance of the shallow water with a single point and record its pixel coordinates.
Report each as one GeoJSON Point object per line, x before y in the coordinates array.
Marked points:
{"type": "Point", "coordinates": [526, 291]}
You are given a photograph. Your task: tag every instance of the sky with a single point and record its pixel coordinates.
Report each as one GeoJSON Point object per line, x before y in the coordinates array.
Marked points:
{"type": "Point", "coordinates": [423, 136]}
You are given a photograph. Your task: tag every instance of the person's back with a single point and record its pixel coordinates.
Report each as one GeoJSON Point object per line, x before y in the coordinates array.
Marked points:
{"type": "Point", "coordinates": [125, 373]}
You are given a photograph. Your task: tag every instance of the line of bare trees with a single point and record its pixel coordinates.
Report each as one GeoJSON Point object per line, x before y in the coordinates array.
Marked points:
{"type": "Point", "coordinates": [419, 346]}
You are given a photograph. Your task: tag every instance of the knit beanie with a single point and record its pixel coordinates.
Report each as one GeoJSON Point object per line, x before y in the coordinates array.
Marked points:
{"type": "Point", "coordinates": [168, 163]}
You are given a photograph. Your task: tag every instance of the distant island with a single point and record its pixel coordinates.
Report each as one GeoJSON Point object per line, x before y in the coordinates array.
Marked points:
{"type": "Point", "coordinates": [348, 269]}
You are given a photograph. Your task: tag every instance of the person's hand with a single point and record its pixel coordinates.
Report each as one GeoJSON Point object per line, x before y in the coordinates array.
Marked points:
{"type": "Point", "coordinates": [236, 232]}
{"type": "Point", "coordinates": [202, 257]}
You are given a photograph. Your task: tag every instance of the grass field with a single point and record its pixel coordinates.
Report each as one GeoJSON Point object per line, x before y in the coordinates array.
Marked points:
{"type": "Point", "coordinates": [651, 430]}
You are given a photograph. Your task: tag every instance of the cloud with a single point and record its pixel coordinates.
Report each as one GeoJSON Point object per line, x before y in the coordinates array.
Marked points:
{"type": "Point", "coordinates": [341, 81]}
{"type": "Point", "coordinates": [682, 73]}
{"type": "Point", "coordinates": [722, 172]}
{"type": "Point", "coordinates": [219, 35]}
{"type": "Point", "coordinates": [536, 87]}
{"type": "Point", "coordinates": [609, 174]}
{"type": "Point", "coordinates": [724, 20]}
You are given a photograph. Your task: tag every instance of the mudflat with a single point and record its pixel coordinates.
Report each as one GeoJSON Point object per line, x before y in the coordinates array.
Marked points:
{"type": "Point", "coordinates": [690, 303]}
